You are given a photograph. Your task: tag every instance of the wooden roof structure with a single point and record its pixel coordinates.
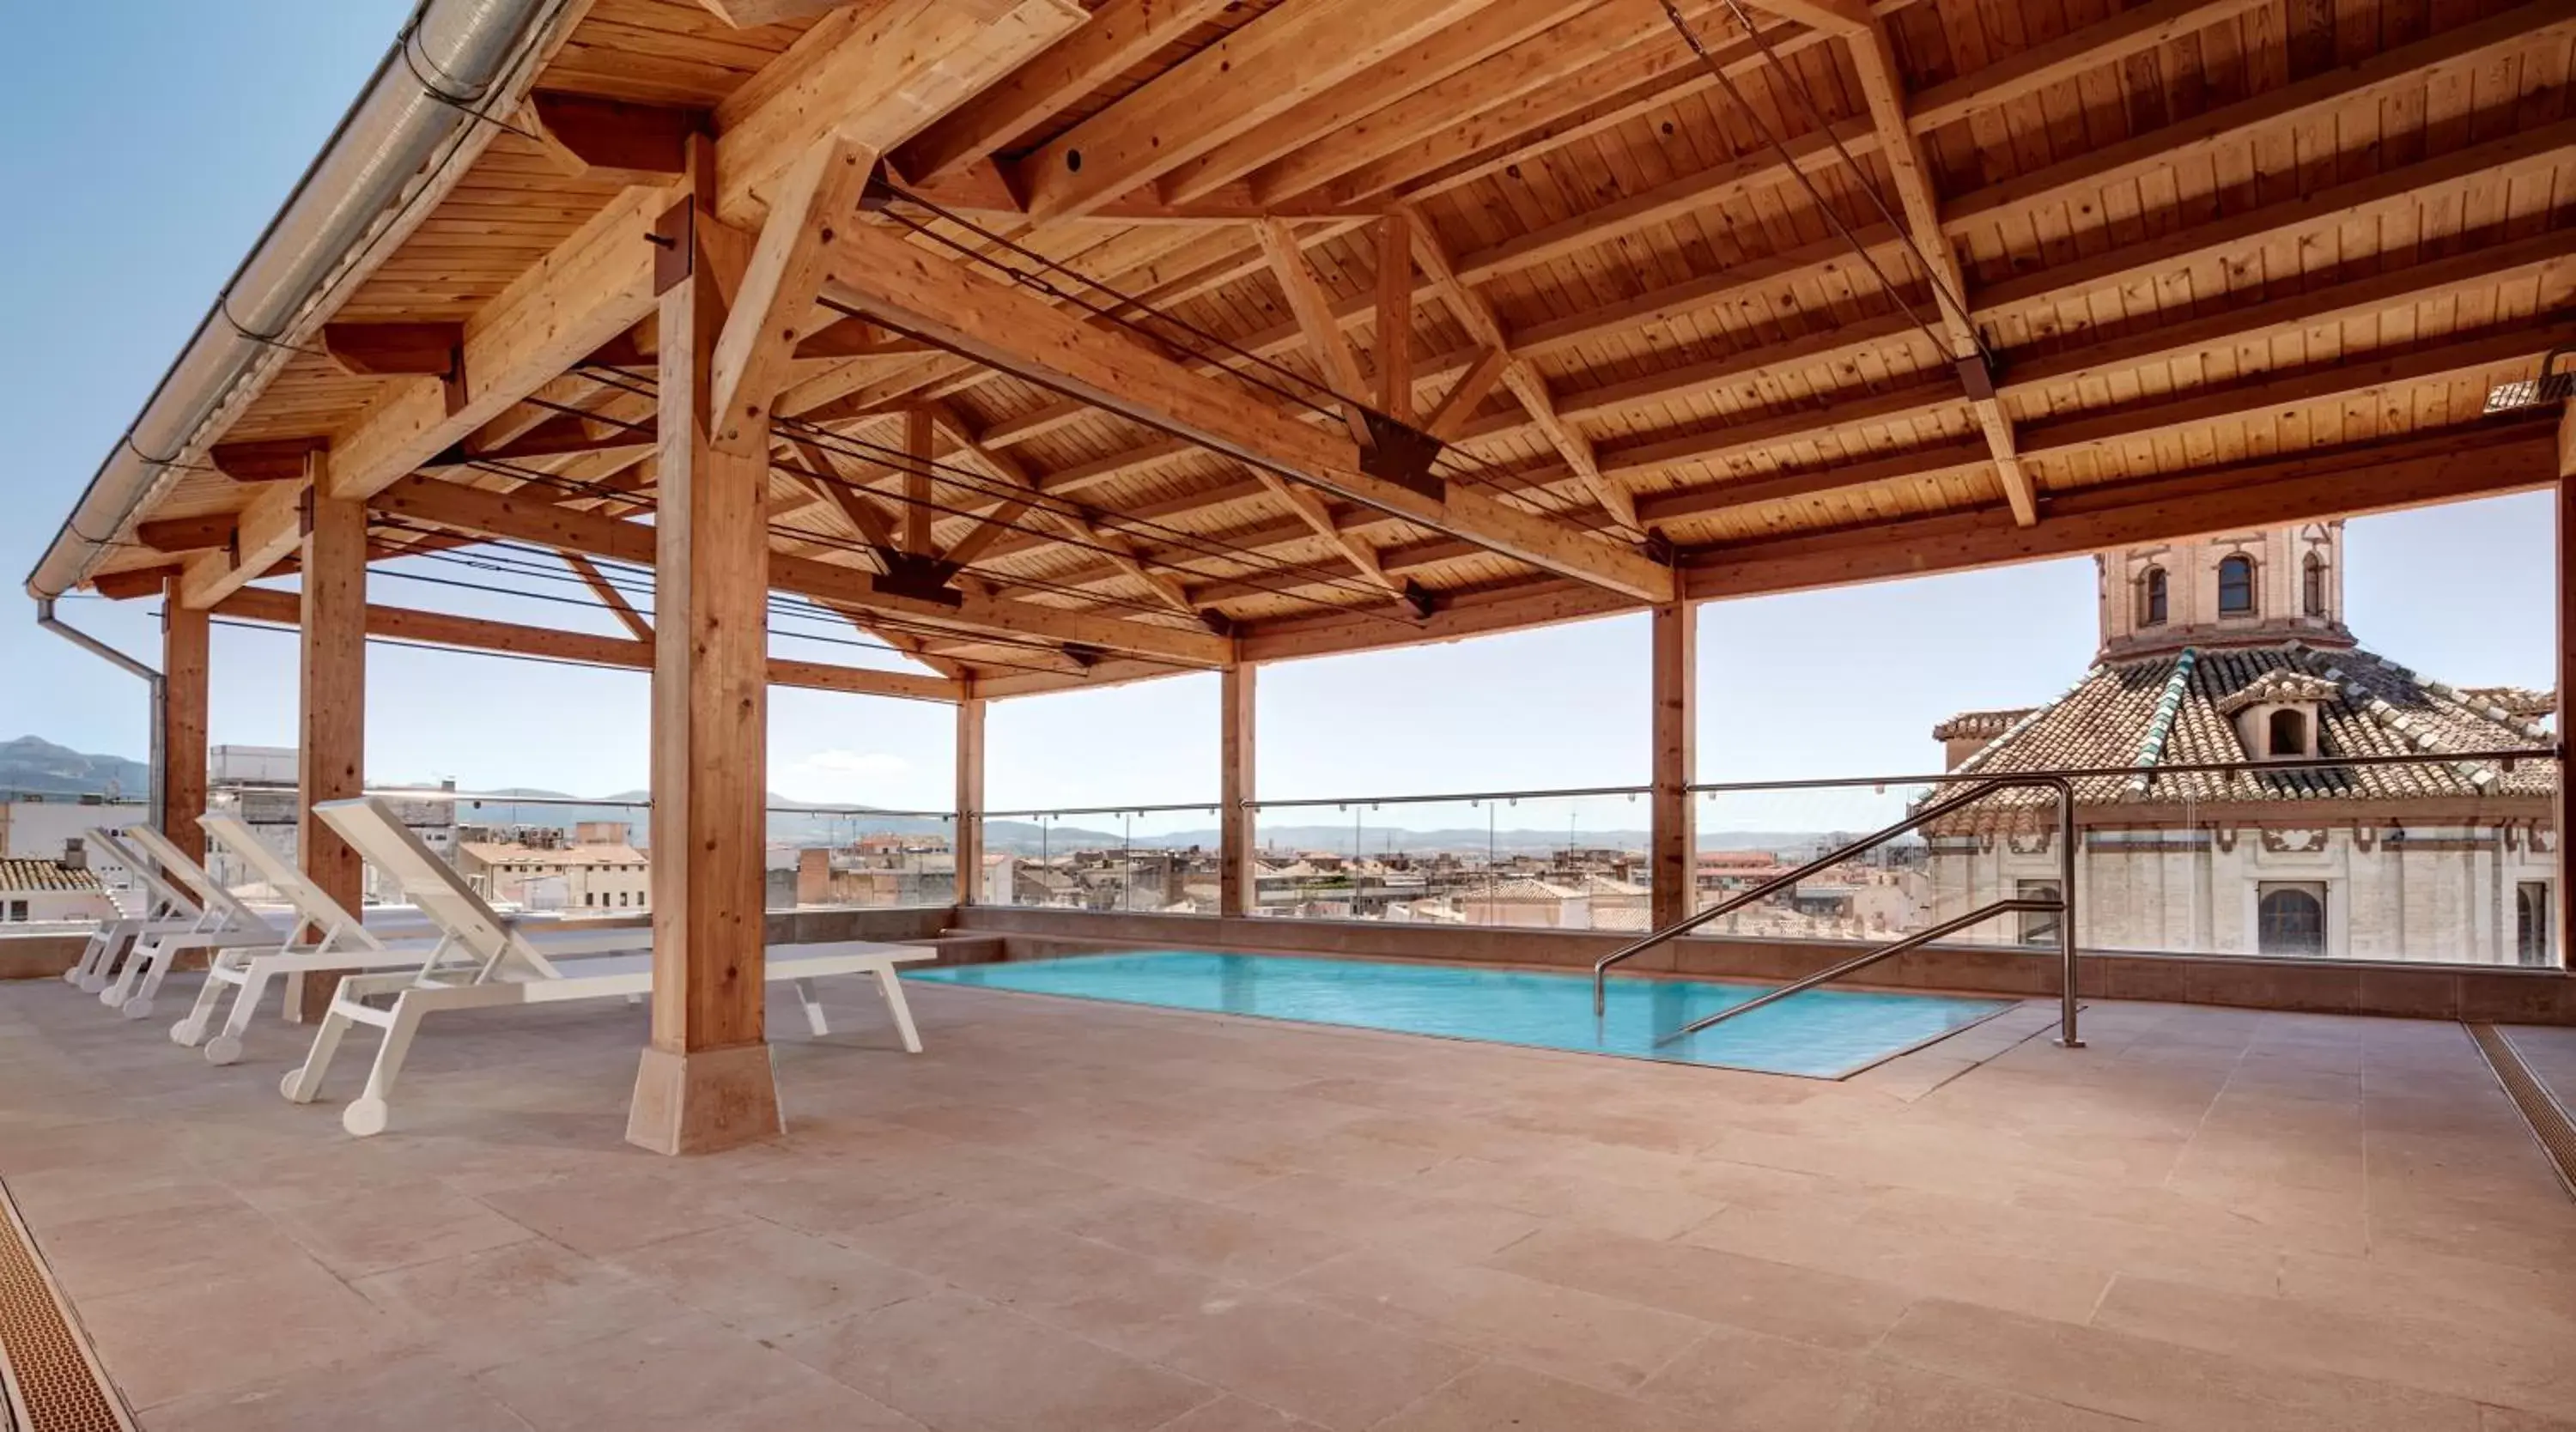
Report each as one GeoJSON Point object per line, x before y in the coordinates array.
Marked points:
{"type": "Point", "coordinates": [1122, 339]}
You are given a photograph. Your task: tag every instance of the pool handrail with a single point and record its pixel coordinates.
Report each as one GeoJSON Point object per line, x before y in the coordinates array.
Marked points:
{"type": "Point", "coordinates": [2063, 904]}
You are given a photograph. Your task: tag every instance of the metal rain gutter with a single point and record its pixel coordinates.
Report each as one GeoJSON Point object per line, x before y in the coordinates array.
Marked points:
{"type": "Point", "coordinates": [447, 61]}
{"type": "Point", "coordinates": [46, 619]}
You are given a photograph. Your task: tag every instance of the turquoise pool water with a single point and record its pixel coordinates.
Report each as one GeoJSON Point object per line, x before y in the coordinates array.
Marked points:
{"type": "Point", "coordinates": [1823, 1034]}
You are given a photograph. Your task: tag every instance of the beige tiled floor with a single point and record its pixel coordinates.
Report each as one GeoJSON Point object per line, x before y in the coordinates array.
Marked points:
{"type": "Point", "coordinates": [1085, 1216]}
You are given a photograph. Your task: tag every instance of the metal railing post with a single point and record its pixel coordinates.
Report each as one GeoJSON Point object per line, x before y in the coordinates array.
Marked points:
{"type": "Point", "coordinates": [2067, 995]}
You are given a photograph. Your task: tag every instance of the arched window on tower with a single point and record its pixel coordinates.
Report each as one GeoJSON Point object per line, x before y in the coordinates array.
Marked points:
{"type": "Point", "coordinates": [2289, 734]}
{"type": "Point", "coordinates": [2291, 920]}
{"type": "Point", "coordinates": [2312, 586]}
{"type": "Point", "coordinates": [2151, 598]}
{"type": "Point", "coordinates": [2236, 586]}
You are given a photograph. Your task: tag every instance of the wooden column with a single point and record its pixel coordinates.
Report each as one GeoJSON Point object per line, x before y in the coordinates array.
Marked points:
{"type": "Point", "coordinates": [1676, 754]}
{"type": "Point", "coordinates": [183, 722]}
{"type": "Point", "coordinates": [705, 1081]}
{"type": "Point", "coordinates": [1235, 867]}
{"type": "Point", "coordinates": [331, 740]}
{"type": "Point", "coordinates": [969, 844]}
{"type": "Point", "coordinates": [2562, 889]}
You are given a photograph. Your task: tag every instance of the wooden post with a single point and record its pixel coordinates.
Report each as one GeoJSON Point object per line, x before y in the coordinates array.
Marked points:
{"type": "Point", "coordinates": [705, 1081]}
{"type": "Point", "coordinates": [331, 745]}
{"type": "Point", "coordinates": [183, 722]}
{"type": "Point", "coordinates": [1235, 866]}
{"type": "Point", "coordinates": [1675, 862]}
{"type": "Point", "coordinates": [969, 844]}
{"type": "Point", "coordinates": [2562, 889]}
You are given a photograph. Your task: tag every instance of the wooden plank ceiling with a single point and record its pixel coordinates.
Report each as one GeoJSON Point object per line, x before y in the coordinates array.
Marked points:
{"type": "Point", "coordinates": [2221, 258]}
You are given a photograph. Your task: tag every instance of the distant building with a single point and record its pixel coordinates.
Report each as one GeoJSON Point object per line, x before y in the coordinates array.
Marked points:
{"type": "Point", "coordinates": [41, 892]}
{"type": "Point", "coordinates": [2231, 649]}
{"type": "Point", "coordinates": [598, 869]}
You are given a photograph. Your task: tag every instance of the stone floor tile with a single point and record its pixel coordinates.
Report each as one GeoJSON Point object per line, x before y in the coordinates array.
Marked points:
{"type": "Point", "coordinates": [1318, 1364]}
{"type": "Point", "coordinates": [206, 1336]}
{"type": "Point", "coordinates": [411, 1394]}
{"type": "Point", "coordinates": [2150, 1380]}
{"type": "Point", "coordinates": [1220, 1241]}
{"type": "Point", "coordinates": [395, 1228]}
{"type": "Point", "coordinates": [684, 1376]}
{"type": "Point", "coordinates": [1564, 1332]}
{"type": "Point", "coordinates": [766, 1281]}
{"type": "Point", "coordinates": [484, 1309]}
{"type": "Point", "coordinates": [954, 1361]}
{"type": "Point", "coordinates": [612, 1212]}
{"type": "Point", "coordinates": [1495, 1396]}
{"type": "Point", "coordinates": [1423, 1226]}
{"type": "Point", "coordinates": [1810, 1305]}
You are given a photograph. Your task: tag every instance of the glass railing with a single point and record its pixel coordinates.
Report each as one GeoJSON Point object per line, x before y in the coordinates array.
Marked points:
{"type": "Point", "coordinates": [1150, 859]}
{"type": "Point", "coordinates": [2451, 860]}
{"type": "Point", "coordinates": [579, 856]}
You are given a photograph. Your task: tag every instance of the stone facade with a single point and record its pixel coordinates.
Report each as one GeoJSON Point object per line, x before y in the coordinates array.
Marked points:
{"type": "Point", "coordinates": [2233, 649]}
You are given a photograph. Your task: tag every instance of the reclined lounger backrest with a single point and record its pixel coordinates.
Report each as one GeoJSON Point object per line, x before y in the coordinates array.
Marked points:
{"type": "Point", "coordinates": [169, 900]}
{"type": "Point", "coordinates": [313, 905]}
{"type": "Point", "coordinates": [227, 907]}
{"type": "Point", "coordinates": [380, 837]}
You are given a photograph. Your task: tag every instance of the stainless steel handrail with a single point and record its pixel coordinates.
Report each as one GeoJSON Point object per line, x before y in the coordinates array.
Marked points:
{"type": "Point", "coordinates": [1919, 938]}
{"type": "Point", "coordinates": [2064, 904]}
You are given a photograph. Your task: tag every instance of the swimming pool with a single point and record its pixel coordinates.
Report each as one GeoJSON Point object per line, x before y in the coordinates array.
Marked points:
{"type": "Point", "coordinates": [1822, 1034]}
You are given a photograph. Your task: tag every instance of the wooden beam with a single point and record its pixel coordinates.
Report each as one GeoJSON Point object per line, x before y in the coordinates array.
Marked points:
{"type": "Point", "coordinates": [1314, 311]}
{"type": "Point", "coordinates": [1356, 101]}
{"type": "Point", "coordinates": [873, 75]}
{"type": "Point", "coordinates": [394, 350]}
{"type": "Point", "coordinates": [2458, 51]}
{"type": "Point", "coordinates": [1118, 36]}
{"type": "Point", "coordinates": [134, 582]}
{"type": "Point", "coordinates": [918, 515]}
{"type": "Point", "coordinates": [767, 320]}
{"type": "Point", "coordinates": [1395, 315]}
{"type": "Point", "coordinates": [1238, 710]}
{"type": "Point", "coordinates": [1674, 743]}
{"type": "Point", "coordinates": [2134, 31]}
{"type": "Point", "coordinates": [1459, 404]}
{"type": "Point", "coordinates": [521, 519]}
{"type": "Point", "coordinates": [563, 435]}
{"type": "Point", "coordinates": [184, 671]}
{"type": "Point", "coordinates": [1884, 86]}
{"type": "Point", "coordinates": [426, 628]}
{"type": "Point", "coordinates": [267, 460]}
{"type": "Point", "coordinates": [752, 14]}
{"type": "Point", "coordinates": [1478, 318]}
{"type": "Point", "coordinates": [609, 596]}
{"type": "Point", "coordinates": [331, 739]}
{"type": "Point", "coordinates": [619, 141]}
{"type": "Point", "coordinates": [1001, 326]}
{"type": "Point", "coordinates": [2492, 456]}
{"type": "Point", "coordinates": [832, 483]}
{"type": "Point", "coordinates": [188, 534]}
{"type": "Point", "coordinates": [968, 846]}
{"type": "Point", "coordinates": [1836, 17]}
{"type": "Point", "coordinates": [1262, 69]}
{"type": "Point", "coordinates": [1085, 531]}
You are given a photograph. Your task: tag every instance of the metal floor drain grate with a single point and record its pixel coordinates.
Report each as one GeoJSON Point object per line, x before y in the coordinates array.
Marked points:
{"type": "Point", "coordinates": [2540, 1108]}
{"type": "Point", "coordinates": [54, 1381]}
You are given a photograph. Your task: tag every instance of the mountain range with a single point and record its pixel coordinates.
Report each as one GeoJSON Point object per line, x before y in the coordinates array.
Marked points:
{"type": "Point", "coordinates": [32, 765]}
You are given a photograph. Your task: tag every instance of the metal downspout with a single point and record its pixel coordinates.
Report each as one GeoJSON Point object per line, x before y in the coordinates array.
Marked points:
{"type": "Point", "coordinates": [45, 618]}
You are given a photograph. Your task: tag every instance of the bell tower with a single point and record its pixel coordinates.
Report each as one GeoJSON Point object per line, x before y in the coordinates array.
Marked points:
{"type": "Point", "coordinates": [2257, 588]}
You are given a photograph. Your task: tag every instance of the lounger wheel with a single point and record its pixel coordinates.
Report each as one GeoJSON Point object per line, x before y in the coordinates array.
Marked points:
{"type": "Point", "coordinates": [365, 1117]}
{"type": "Point", "coordinates": [286, 1083]}
{"type": "Point", "coordinates": [92, 984]}
{"type": "Point", "coordinates": [187, 1034]}
{"type": "Point", "coordinates": [139, 1007]}
{"type": "Point", "coordinates": [224, 1049]}
{"type": "Point", "coordinates": [72, 976]}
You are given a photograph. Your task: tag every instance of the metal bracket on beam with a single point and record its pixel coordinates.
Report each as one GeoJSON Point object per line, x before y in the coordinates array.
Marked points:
{"type": "Point", "coordinates": [1977, 374]}
{"type": "Point", "coordinates": [1421, 599]}
{"type": "Point", "coordinates": [1082, 656]}
{"type": "Point", "coordinates": [1660, 548]}
{"type": "Point", "coordinates": [1401, 453]}
{"type": "Point", "coordinates": [920, 578]}
{"type": "Point", "coordinates": [674, 238]}
{"type": "Point", "coordinates": [1216, 621]}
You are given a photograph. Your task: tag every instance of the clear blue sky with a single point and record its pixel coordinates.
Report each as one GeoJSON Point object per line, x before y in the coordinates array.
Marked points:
{"type": "Point", "coordinates": [158, 137]}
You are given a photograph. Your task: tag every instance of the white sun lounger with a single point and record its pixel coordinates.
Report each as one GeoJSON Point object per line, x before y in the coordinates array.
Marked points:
{"type": "Point", "coordinates": [157, 906]}
{"type": "Point", "coordinates": [509, 969]}
{"type": "Point", "coordinates": [127, 985]}
{"type": "Point", "coordinates": [396, 938]}
{"type": "Point", "coordinates": [228, 923]}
